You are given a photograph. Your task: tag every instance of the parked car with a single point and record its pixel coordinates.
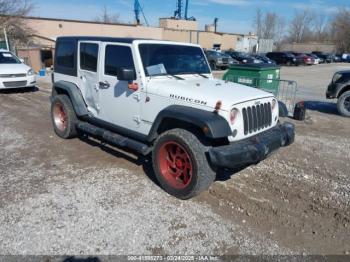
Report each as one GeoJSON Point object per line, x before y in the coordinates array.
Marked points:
{"type": "Point", "coordinates": [283, 58]}
{"type": "Point", "coordinates": [337, 58]}
{"type": "Point", "coordinates": [304, 59]}
{"type": "Point", "coordinates": [264, 59]}
{"type": "Point", "coordinates": [243, 58]}
{"type": "Point", "coordinates": [317, 60]}
{"type": "Point", "coordinates": [13, 73]}
{"type": "Point", "coordinates": [159, 98]}
{"type": "Point", "coordinates": [218, 60]}
{"type": "Point", "coordinates": [339, 88]}
{"type": "Point", "coordinates": [326, 57]}
{"type": "Point", "coordinates": [345, 58]}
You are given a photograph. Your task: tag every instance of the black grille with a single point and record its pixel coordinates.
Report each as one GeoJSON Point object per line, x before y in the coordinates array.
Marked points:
{"type": "Point", "coordinates": [225, 60]}
{"type": "Point", "coordinates": [257, 117]}
{"type": "Point", "coordinates": [15, 84]}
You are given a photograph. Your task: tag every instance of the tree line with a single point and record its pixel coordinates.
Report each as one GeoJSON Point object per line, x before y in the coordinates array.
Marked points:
{"type": "Point", "coordinates": [305, 26]}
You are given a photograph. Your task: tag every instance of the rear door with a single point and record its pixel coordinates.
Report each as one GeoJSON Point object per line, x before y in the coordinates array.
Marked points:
{"type": "Point", "coordinates": [88, 74]}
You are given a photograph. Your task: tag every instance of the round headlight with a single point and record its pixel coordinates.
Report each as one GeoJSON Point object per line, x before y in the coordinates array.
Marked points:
{"type": "Point", "coordinates": [273, 104]}
{"type": "Point", "coordinates": [233, 115]}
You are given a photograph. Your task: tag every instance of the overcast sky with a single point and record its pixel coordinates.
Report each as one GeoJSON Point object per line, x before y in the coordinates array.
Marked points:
{"type": "Point", "coordinates": [234, 15]}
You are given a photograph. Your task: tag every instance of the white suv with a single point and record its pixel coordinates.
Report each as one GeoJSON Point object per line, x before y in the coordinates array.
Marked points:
{"type": "Point", "coordinates": [160, 98]}
{"type": "Point", "coordinates": [13, 73]}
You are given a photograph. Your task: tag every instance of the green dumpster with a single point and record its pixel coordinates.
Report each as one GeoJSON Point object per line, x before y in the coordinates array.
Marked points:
{"type": "Point", "coordinates": [262, 76]}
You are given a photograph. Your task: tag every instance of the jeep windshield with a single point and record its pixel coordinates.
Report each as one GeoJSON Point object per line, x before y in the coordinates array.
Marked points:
{"type": "Point", "coordinates": [8, 58]}
{"type": "Point", "coordinates": [167, 59]}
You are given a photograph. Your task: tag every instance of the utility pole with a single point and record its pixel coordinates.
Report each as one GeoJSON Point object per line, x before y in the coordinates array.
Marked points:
{"type": "Point", "coordinates": [6, 40]}
{"type": "Point", "coordinates": [216, 20]}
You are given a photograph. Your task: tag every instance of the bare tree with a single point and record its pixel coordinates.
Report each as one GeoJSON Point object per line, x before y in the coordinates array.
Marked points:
{"type": "Point", "coordinates": [269, 25]}
{"type": "Point", "coordinates": [300, 27]}
{"type": "Point", "coordinates": [257, 23]}
{"type": "Point", "coordinates": [341, 30]}
{"type": "Point", "coordinates": [106, 17]}
{"type": "Point", "coordinates": [11, 13]}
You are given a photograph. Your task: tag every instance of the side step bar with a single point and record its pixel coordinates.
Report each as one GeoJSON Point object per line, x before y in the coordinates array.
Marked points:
{"type": "Point", "coordinates": [113, 138]}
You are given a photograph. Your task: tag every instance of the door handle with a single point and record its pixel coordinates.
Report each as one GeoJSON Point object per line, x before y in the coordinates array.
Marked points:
{"type": "Point", "coordinates": [104, 85]}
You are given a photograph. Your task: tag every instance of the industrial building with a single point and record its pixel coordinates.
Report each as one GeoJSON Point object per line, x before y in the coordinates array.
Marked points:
{"type": "Point", "coordinates": [39, 52]}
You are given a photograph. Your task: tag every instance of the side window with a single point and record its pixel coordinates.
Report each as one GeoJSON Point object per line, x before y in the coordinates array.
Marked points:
{"type": "Point", "coordinates": [88, 56]}
{"type": "Point", "coordinates": [118, 57]}
{"type": "Point", "coordinates": [65, 54]}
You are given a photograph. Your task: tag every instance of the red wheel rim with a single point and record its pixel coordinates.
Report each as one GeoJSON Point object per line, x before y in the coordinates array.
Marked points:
{"type": "Point", "coordinates": [60, 117]}
{"type": "Point", "coordinates": [175, 165]}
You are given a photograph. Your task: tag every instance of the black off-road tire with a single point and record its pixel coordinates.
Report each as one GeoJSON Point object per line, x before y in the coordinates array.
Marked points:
{"type": "Point", "coordinates": [64, 129]}
{"type": "Point", "coordinates": [202, 175]}
{"type": "Point", "coordinates": [343, 104]}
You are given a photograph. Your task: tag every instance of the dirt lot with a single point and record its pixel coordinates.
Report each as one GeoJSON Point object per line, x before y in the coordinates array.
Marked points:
{"type": "Point", "coordinates": [80, 197]}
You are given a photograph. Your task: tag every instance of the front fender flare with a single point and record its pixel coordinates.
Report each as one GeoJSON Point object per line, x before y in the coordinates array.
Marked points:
{"type": "Point", "coordinates": [216, 125]}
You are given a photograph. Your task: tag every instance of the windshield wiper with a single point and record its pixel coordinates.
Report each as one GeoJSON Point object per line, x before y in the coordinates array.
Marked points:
{"type": "Point", "coordinates": [164, 74]}
{"type": "Point", "coordinates": [193, 73]}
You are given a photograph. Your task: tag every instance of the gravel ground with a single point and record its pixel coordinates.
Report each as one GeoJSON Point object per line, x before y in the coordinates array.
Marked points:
{"type": "Point", "coordinates": [80, 197]}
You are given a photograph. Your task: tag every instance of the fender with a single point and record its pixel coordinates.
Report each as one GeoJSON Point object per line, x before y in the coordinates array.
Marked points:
{"type": "Point", "coordinates": [74, 95]}
{"type": "Point", "coordinates": [341, 89]}
{"type": "Point", "coordinates": [216, 125]}
{"type": "Point", "coordinates": [283, 110]}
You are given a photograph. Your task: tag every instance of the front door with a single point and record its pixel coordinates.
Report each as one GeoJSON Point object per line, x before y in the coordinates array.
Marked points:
{"type": "Point", "coordinates": [88, 74]}
{"type": "Point", "coordinates": [119, 105]}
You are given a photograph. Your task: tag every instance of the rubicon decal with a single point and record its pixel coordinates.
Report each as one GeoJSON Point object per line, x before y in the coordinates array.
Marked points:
{"type": "Point", "coordinates": [188, 99]}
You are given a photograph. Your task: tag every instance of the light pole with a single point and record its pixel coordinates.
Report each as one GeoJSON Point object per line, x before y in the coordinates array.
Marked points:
{"type": "Point", "coordinates": [6, 40]}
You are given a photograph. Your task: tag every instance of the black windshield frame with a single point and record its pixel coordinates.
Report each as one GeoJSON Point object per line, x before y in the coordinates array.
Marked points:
{"type": "Point", "coordinates": [177, 59]}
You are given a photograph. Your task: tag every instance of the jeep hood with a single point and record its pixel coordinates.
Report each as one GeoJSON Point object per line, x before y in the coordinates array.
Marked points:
{"type": "Point", "coordinates": [205, 91]}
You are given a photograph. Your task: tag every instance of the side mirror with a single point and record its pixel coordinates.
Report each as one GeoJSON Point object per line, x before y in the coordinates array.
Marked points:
{"type": "Point", "coordinates": [126, 74]}
{"type": "Point", "coordinates": [22, 60]}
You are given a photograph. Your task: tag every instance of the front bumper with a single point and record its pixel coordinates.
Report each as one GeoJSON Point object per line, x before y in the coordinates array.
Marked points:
{"type": "Point", "coordinates": [254, 149]}
{"type": "Point", "coordinates": [17, 82]}
{"type": "Point", "coordinates": [222, 64]}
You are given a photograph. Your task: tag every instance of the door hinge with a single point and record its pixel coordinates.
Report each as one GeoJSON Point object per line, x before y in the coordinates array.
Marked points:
{"type": "Point", "coordinates": [137, 119]}
{"type": "Point", "coordinates": [137, 96]}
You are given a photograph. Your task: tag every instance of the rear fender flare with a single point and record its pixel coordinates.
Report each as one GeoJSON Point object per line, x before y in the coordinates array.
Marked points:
{"type": "Point", "coordinates": [75, 96]}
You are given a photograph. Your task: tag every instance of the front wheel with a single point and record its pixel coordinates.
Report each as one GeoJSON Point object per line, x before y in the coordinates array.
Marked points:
{"type": "Point", "coordinates": [344, 104]}
{"type": "Point", "coordinates": [180, 164]}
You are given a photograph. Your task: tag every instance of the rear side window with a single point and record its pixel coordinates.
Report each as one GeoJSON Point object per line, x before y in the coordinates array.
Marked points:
{"type": "Point", "coordinates": [88, 56]}
{"type": "Point", "coordinates": [118, 57]}
{"type": "Point", "coordinates": [65, 54]}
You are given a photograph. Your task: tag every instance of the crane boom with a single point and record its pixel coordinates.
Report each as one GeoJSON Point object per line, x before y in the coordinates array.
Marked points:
{"type": "Point", "coordinates": [178, 14]}
{"type": "Point", "coordinates": [138, 10]}
{"type": "Point", "coordinates": [186, 10]}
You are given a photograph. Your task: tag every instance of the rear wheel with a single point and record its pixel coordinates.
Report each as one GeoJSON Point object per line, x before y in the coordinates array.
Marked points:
{"type": "Point", "coordinates": [63, 117]}
{"type": "Point", "coordinates": [180, 164]}
{"type": "Point", "coordinates": [344, 104]}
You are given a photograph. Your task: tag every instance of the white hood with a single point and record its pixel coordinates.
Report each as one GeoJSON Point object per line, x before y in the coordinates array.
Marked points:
{"type": "Point", "coordinates": [205, 91]}
{"type": "Point", "coordinates": [13, 69]}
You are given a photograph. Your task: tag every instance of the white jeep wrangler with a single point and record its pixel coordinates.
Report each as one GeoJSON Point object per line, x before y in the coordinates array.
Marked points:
{"type": "Point", "coordinates": [160, 97]}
